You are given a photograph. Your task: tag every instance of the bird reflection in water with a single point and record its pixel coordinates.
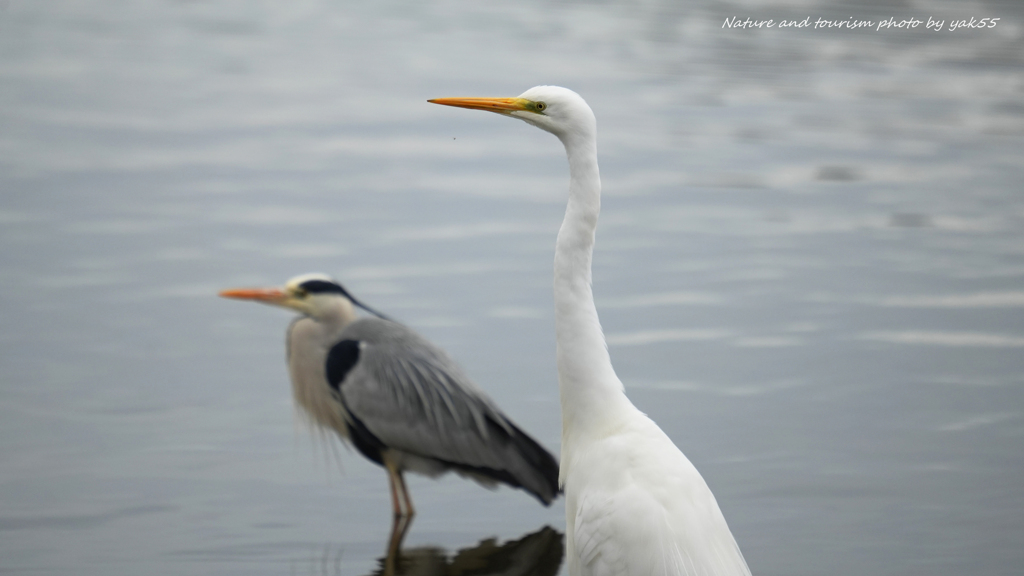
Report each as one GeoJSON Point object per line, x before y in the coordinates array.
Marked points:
{"type": "Point", "coordinates": [536, 554]}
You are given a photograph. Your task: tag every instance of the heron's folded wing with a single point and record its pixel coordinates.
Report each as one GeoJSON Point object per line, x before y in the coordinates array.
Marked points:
{"type": "Point", "coordinates": [413, 397]}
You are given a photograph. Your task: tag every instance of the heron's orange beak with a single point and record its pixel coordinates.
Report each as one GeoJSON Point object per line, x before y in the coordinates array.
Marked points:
{"type": "Point", "coordinates": [267, 295]}
{"type": "Point", "coordinates": [499, 105]}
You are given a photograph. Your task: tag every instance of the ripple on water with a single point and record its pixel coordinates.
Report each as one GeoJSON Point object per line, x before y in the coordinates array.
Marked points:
{"type": "Point", "coordinates": [943, 338]}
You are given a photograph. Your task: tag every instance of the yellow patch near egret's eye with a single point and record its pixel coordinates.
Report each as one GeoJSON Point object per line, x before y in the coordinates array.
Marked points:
{"type": "Point", "coordinates": [539, 106]}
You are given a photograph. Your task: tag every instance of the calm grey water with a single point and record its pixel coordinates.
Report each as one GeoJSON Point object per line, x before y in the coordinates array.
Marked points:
{"type": "Point", "coordinates": [810, 268]}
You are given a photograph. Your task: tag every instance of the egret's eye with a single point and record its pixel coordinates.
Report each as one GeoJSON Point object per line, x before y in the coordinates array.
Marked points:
{"type": "Point", "coordinates": [541, 106]}
{"type": "Point", "coordinates": [299, 293]}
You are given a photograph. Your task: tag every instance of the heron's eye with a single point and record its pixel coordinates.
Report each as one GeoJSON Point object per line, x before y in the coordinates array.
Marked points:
{"type": "Point", "coordinates": [541, 106]}
{"type": "Point", "coordinates": [299, 293]}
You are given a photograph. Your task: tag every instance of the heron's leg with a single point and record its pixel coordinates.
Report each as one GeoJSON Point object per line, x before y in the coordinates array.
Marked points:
{"type": "Point", "coordinates": [398, 529]}
{"type": "Point", "coordinates": [394, 481]}
{"type": "Point", "coordinates": [409, 508]}
{"type": "Point", "coordinates": [402, 520]}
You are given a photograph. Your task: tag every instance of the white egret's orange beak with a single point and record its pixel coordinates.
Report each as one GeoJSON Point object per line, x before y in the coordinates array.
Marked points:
{"type": "Point", "coordinates": [499, 105]}
{"type": "Point", "coordinates": [267, 295]}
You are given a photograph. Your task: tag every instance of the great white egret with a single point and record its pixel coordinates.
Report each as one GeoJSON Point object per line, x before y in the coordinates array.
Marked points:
{"type": "Point", "coordinates": [634, 504]}
{"type": "Point", "coordinates": [399, 399]}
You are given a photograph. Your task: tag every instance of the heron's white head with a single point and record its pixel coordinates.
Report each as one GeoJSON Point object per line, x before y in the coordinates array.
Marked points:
{"type": "Point", "coordinates": [558, 110]}
{"type": "Point", "coordinates": [316, 295]}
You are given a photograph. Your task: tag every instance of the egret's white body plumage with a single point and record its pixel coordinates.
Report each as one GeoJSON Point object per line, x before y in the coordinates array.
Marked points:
{"type": "Point", "coordinates": [634, 504]}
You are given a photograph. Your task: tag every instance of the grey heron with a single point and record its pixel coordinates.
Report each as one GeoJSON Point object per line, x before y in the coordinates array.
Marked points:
{"type": "Point", "coordinates": [634, 504]}
{"type": "Point", "coordinates": [399, 399]}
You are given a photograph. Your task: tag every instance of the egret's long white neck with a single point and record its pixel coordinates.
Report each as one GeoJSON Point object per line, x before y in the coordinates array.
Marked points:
{"type": "Point", "coordinates": [591, 393]}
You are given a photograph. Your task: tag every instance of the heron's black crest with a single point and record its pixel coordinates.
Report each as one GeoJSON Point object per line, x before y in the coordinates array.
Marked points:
{"type": "Point", "coordinates": [324, 287]}
{"type": "Point", "coordinates": [342, 357]}
{"type": "Point", "coordinates": [331, 287]}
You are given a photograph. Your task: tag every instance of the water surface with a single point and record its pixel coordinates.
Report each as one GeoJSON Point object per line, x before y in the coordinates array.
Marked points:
{"type": "Point", "coordinates": [810, 268]}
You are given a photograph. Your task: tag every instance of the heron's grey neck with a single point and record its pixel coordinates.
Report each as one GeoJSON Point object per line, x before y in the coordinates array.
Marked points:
{"type": "Point", "coordinates": [308, 343]}
{"type": "Point", "coordinates": [590, 391]}
{"type": "Point", "coordinates": [321, 331]}
{"type": "Point", "coordinates": [336, 313]}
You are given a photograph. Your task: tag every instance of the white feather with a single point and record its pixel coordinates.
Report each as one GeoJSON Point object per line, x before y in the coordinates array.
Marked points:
{"type": "Point", "coordinates": [635, 505]}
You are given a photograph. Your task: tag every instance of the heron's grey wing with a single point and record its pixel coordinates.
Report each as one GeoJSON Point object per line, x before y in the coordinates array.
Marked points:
{"type": "Point", "coordinates": [410, 396]}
